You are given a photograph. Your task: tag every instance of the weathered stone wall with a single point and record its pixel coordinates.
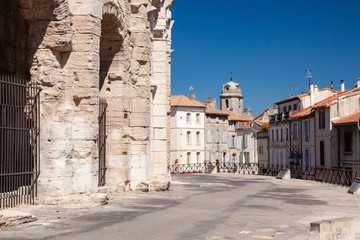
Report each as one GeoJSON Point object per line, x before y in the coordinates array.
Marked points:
{"type": "Point", "coordinates": [83, 50]}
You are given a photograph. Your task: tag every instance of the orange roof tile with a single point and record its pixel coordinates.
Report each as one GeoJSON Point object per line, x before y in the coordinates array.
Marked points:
{"type": "Point", "coordinates": [183, 101]}
{"type": "Point", "coordinates": [215, 111]}
{"type": "Point", "coordinates": [238, 117]}
{"type": "Point", "coordinates": [351, 118]}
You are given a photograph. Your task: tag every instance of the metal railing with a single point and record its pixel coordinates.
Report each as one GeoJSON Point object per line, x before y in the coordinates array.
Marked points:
{"type": "Point", "coordinates": [338, 176]}
{"type": "Point", "coordinates": [19, 141]}
{"type": "Point", "coordinates": [189, 168]}
{"type": "Point", "coordinates": [102, 142]}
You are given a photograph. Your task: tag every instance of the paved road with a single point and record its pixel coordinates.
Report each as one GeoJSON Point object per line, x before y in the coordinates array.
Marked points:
{"type": "Point", "coordinates": [207, 207]}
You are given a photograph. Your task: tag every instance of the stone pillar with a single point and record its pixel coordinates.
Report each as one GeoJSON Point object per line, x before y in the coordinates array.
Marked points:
{"type": "Point", "coordinates": [65, 62]}
{"type": "Point", "coordinates": [160, 82]}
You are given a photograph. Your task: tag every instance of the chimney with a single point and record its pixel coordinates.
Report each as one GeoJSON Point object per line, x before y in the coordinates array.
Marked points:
{"type": "Point", "coordinates": [211, 102]}
{"type": "Point", "coordinates": [312, 95]}
{"type": "Point", "coordinates": [357, 83]}
{"type": "Point", "coordinates": [342, 82]}
{"type": "Point", "coordinates": [193, 96]}
{"type": "Point", "coordinates": [332, 85]}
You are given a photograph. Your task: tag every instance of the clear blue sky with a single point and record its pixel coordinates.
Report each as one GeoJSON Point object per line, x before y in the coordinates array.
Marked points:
{"type": "Point", "coordinates": [266, 44]}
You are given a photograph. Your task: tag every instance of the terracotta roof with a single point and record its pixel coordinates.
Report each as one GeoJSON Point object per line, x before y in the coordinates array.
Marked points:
{"type": "Point", "coordinates": [260, 114]}
{"type": "Point", "coordinates": [238, 117]}
{"type": "Point", "coordinates": [183, 101]}
{"type": "Point", "coordinates": [262, 123]}
{"type": "Point", "coordinates": [215, 111]}
{"type": "Point", "coordinates": [351, 118]}
{"type": "Point", "coordinates": [327, 102]}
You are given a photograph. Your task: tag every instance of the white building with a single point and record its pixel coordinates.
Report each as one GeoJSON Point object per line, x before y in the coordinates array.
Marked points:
{"type": "Point", "coordinates": [187, 131]}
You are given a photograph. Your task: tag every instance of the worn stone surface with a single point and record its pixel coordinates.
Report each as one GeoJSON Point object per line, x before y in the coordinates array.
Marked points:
{"type": "Point", "coordinates": [80, 51]}
{"type": "Point", "coordinates": [9, 218]}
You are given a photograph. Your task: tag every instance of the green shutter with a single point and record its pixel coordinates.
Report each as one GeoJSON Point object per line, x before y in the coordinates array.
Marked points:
{"type": "Point", "coordinates": [245, 140]}
{"type": "Point", "coordinates": [241, 158]}
{"type": "Point", "coordinates": [248, 158]}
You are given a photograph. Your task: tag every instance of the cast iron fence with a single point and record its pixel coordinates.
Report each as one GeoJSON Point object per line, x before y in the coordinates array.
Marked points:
{"type": "Point", "coordinates": [338, 176]}
{"type": "Point", "coordinates": [19, 141]}
{"type": "Point", "coordinates": [102, 141]}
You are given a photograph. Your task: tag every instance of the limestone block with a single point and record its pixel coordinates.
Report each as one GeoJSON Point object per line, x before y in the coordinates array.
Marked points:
{"type": "Point", "coordinates": [139, 120]}
{"type": "Point", "coordinates": [10, 218]}
{"type": "Point", "coordinates": [341, 228]}
{"type": "Point", "coordinates": [159, 78]}
{"type": "Point", "coordinates": [355, 187]}
{"type": "Point", "coordinates": [160, 110]}
{"type": "Point", "coordinates": [85, 79]}
{"type": "Point", "coordinates": [86, 7]}
{"type": "Point", "coordinates": [284, 174]}
{"type": "Point", "coordinates": [141, 54]}
{"type": "Point", "coordinates": [49, 187]}
{"type": "Point", "coordinates": [87, 25]}
{"type": "Point", "coordinates": [83, 61]}
{"type": "Point", "coordinates": [159, 122]}
{"type": "Point", "coordinates": [159, 66]}
{"type": "Point", "coordinates": [141, 39]}
{"type": "Point", "coordinates": [160, 146]}
{"type": "Point", "coordinates": [86, 43]}
{"type": "Point", "coordinates": [140, 133]}
{"type": "Point", "coordinates": [162, 89]}
{"type": "Point", "coordinates": [160, 133]}
{"type": "Point", "coordinates": [160, 98]}
{"type": "Point", "coordinates": [159, 156]}
{"type": "Point", "coordinates": [140, 105]}
{"type": "Point", "coordinates": [160, 46]}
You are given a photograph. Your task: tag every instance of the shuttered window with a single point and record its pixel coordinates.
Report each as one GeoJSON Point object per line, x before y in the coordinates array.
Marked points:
{"type": "Point", "coordinates": [245, 140]}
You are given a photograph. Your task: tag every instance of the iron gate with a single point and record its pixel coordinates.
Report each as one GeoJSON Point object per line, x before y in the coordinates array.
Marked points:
{"type": "Point", "coordinates": [102, 141]}
{"type": "Point", "coordinates": [19, 141]}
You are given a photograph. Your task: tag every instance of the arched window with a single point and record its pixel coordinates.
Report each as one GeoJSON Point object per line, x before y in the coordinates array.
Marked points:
{"type": "Point", "coordinates": [227, 103]}
{"type": "Point", "coordinates": [188, 137]}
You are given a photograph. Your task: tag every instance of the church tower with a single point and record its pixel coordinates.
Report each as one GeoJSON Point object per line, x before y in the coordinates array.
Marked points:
{"type": "Point", "coordinates": [231, 98]}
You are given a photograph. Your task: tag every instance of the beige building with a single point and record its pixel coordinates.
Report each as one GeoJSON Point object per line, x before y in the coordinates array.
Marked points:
{"type": "Point", "coordinates": [217, 133]}
{"type": "Point", "coordinates": [327, 136]}
{"type": "Point", "coordinates": [80, 52]}
{"type": "Point", "coordinates": [348, 151]}
{"type": "Point", "coordinates": [187, 143]}
{"type": "Point", "coordinates": [285, 132]}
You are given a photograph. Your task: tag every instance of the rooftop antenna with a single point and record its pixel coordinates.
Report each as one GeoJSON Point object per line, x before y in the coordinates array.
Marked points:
{"type": "Point", "coordinates": [308, 75]}
{"type": "Point", "coordinates": [297, 87]}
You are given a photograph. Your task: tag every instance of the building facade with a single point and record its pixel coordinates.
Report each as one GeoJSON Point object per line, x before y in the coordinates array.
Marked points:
{"type": "Point", "coordinates": [217, 133]}
{"type": "Point", "coordinates": [187, 142]}
{"type": "Point", "coordinates": [290, 136]}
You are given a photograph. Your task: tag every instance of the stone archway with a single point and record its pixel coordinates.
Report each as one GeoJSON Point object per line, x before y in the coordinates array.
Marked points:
{"type": "Point", "coordinates": [113, 75]}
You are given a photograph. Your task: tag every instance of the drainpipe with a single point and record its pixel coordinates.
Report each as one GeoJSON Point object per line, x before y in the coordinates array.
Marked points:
{"type": "Point", "coordinates": [290, 142]}
{"type": "Point", "coordinates": [268, 149]}
{"type": "Point", "coordinates": [338, 145]}
{"type": "Point", "coordinates": [314, 140]}
{"type": "Point", "coordinates": [301, 144]}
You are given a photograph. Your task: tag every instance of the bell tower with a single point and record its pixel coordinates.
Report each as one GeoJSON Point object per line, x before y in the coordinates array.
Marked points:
{"type": "Point", "coordinates": [231, 98]}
